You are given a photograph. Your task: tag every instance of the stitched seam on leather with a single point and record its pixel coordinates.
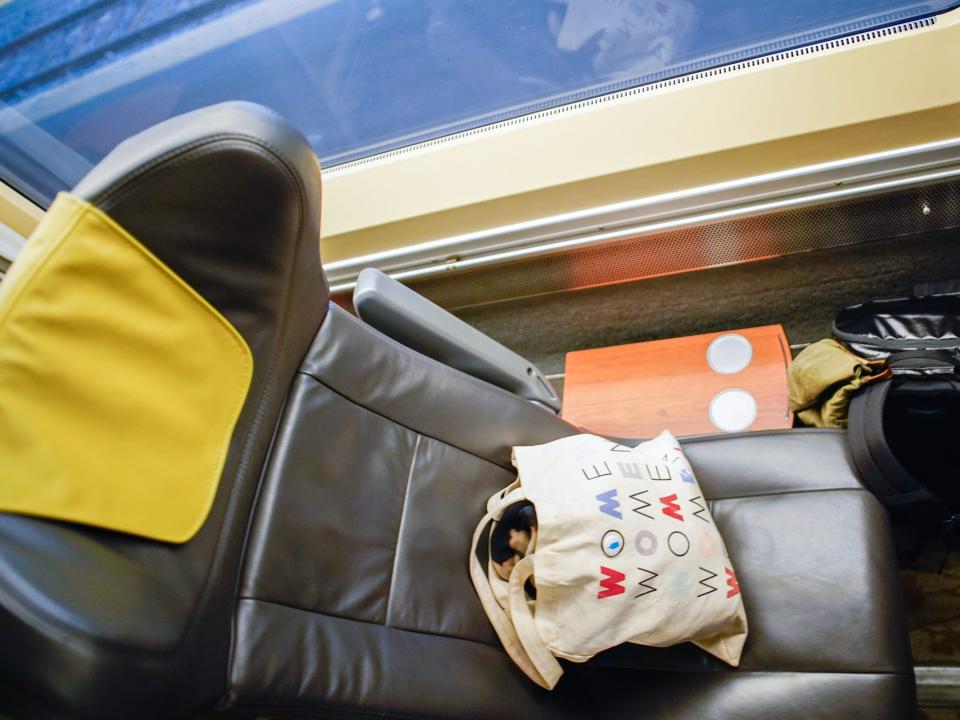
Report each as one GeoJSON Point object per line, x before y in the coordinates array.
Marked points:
{"type": "Point", "coordinates": [334, 711]}
{"type": "Point", "coordinates": [290, 606]}
{"type": "Point", "coordinates": [789, 492]}
{"type": "Point", "coordinates": [396, 544]}
{"type": "Point", "coordinates": [788, 432]}
{"type": "Point", "coordinates": [739, 671]}
{"type": "Point", "coordinates": [330, 710]}
{"type": "Point", "coordinates": [399, 424]}
{"type": "Point", "coordinates": [245, 543]}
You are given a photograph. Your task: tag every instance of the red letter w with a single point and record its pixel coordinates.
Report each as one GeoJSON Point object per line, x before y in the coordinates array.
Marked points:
{"type": "Point", "coordinates": [670, 507]}
{"type": "Point", "coordinates": [611, 583]}
{"type": "Point", "coordinates": [732, 583]}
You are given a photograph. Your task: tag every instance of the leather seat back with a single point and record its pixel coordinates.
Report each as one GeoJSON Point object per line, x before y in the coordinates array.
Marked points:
{"type": "Point", "coordinates": [103, 624]}
{"type": "Point", "coordinates": [355, 591]}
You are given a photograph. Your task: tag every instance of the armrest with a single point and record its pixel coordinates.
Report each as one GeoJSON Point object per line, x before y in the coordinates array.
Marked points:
{"type": "Point", "coordinates": [411, 319]}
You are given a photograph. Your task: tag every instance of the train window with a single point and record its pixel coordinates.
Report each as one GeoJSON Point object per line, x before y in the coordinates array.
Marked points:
{"type": "Point", "coordinates": [361, 77]}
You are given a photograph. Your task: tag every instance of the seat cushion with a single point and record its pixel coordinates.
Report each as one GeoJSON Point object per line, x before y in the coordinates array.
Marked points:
{"type": "Point", "coordinates": [819, 581]}
{"type": "Point", "coordinates": [356, 597]}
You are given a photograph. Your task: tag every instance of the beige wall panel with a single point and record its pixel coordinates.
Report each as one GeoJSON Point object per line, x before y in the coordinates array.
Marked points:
{"type": "Point", "coordinates": [858, 99]}
{"type": "Point", "coordinates": [18, 213]}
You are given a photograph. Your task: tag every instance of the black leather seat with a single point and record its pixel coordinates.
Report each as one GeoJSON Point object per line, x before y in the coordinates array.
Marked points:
{"type": "Point", "coordinates": [100, 624]}
{"type": "Point", "coordinates": [331, 578]}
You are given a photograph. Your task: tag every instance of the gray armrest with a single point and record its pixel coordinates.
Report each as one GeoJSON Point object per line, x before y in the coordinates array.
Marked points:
{"type": "Point", "coordinates": [411, 319]}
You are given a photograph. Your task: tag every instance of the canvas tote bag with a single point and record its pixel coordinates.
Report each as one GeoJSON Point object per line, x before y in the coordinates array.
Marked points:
{"type": "Point", "coordinates": [626, 551]}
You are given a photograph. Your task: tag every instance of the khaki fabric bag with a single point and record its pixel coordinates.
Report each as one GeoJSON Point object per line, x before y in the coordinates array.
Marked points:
{"type": "Point", "coordinates": [822, 379]}
{"type": "Point", "coordinates": [626, 550]}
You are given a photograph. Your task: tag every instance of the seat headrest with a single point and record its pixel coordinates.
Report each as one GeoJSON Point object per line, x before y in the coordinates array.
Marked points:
{"type": "Point", "coordinates": [229, 198]}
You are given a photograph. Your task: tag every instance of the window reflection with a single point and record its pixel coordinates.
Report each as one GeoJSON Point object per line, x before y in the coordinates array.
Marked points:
{"type": "Point", "coordinates": [363, 76]}
{"type": "Point", "coordinates": [624, 37]}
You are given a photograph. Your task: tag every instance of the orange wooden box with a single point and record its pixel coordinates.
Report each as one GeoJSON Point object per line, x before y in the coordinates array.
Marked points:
{"type": "Point", "coordinates": [640, 389]}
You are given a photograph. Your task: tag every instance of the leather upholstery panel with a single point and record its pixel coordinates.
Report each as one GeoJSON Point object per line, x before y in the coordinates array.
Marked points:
{"type": "Point", "coordinates": [330, 508]}
{"type": "Point", "coordinates": [431, 591]}
{"type": "Point", "coordinates": [361, 540]}
{"type": "Point", "coordinates": [385, 509]}
{"type": "Point", "coordinates": [55, 574]}
{"type": "Point", "coordinates": [303, 664]}
{"type": "Point", "coordinates": [775, 461]}
{"type": "Point", "coordinates": [753, 696]}
{"type": "Point", "coordinates": [125, 684]}
{"type": "Point", "coordinates": [819, 582]}
{"type": "Point", "coordinates": [426, 396]}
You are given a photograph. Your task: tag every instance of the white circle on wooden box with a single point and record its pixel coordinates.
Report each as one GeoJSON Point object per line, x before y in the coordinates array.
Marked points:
{"type": "Point", "coordinates": [729, 353]}
{"type": "Point", "coordinates": [732, 410]}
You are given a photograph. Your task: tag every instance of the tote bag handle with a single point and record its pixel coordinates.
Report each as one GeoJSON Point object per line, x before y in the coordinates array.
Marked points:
{"type": "Point", "coordinates": [498, 618]}
{"type": "Point", "coordinates": [540, 656]}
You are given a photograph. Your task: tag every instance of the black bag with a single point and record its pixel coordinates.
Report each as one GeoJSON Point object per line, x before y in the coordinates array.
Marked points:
{"type": "Point", "coordinates": [903, 431]}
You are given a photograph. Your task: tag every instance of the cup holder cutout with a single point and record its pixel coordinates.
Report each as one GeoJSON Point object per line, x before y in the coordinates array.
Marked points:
{"type": "Point", "coordinates": [732, 410]}
{"type": "Point", "coordinates": [729, 354]}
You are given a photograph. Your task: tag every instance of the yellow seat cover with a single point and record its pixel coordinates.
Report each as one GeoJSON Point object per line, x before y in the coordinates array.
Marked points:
{"type": "Point", "coordinates": [119, 385]}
